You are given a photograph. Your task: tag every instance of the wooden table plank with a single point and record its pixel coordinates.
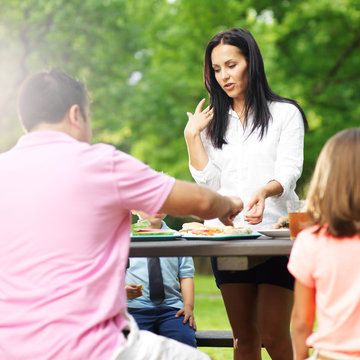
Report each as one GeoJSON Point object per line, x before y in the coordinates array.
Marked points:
{"type": "Point", "coordinates": [262, 246]}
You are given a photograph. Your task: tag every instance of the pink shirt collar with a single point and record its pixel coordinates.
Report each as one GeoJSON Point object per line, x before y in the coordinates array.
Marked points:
{"type": "Point", "coordinates": [43, 137]}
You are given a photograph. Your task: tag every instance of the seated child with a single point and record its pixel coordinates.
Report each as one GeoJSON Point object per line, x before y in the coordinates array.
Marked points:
{"type": "Point", "coordinates": [173, 317]}
{"type": "Point", "coordinates": [324, 258]}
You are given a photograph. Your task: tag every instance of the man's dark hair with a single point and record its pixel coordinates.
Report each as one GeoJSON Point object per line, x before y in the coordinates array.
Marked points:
{"type": "Point", "coordinates": [47, 96]}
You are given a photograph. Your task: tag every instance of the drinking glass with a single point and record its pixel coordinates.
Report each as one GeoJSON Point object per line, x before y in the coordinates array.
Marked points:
{"type": "Point", "coordinates": [298, 219]}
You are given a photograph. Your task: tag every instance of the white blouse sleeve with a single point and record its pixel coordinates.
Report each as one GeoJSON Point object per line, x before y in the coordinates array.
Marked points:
{"type": "Point", "coordinates": [210, 175]}
{"type": "Point", "coordinates": [290, 151]}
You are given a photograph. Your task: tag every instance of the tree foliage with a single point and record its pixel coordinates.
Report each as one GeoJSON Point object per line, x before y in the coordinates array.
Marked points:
{"type": "Point", "coordinates": [143, 60]}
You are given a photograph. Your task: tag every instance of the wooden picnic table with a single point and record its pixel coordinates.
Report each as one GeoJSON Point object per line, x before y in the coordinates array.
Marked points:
{"type": "Point", "coordinates": [232, 255]}
{"type": "Point", "coordinates": [262, 246]}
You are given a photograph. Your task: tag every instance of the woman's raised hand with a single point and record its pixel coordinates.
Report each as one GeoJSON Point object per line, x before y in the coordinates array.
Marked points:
{"type": "Point", "coordinates": [199, 120]}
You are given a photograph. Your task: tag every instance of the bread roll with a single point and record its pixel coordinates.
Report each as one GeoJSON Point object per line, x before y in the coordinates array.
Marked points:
{"type": "Point", "coordinates": [192, 226]}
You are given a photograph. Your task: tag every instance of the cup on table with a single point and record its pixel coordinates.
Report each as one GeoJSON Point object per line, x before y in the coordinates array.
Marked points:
{"type": "Point", "coordinates": [298, 219]}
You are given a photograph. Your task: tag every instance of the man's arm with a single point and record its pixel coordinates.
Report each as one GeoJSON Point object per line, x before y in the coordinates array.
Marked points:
{"type": "Point", "coordinates": [187, 198]}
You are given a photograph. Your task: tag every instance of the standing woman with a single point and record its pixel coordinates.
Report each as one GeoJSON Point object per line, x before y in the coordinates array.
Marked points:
{"type": "Point", "coordinates": [249, 142]}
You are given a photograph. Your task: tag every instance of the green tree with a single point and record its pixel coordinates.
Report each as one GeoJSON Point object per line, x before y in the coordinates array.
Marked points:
{"type": "Point", "coordinates": [143, 61]}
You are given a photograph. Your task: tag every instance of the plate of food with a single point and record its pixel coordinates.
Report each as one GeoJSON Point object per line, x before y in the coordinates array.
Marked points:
{"type": "Point", "coordinates": [155, 235]}
{"type": "Point", "coordinates": [199, 231]}
{"type": "Point", "coordinates": [280, 229]}
{"type": "Point", "coordinates": [139, 232]}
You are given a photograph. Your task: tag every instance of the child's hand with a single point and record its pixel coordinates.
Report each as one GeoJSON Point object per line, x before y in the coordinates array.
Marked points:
{"type": "Point", "coordinates": [188, 314]}
{"type": "Point", "coordinates": [133, 291]}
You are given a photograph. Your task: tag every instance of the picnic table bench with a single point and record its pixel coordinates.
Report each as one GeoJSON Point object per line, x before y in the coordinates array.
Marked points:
{"type": "Point", "coordinates": [214, 338]}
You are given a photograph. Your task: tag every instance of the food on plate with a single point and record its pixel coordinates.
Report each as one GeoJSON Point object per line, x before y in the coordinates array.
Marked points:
{"type": "Point", "coordinates": [283, 223]}
{"type": "Point", "coordinates": [195, 228]}
{"type": "Point", "coordinates": [139, 229]}
{"type": "Point", "coordinates": [140, 225]}
{"type": "Point", "coordinates": [192, 226]}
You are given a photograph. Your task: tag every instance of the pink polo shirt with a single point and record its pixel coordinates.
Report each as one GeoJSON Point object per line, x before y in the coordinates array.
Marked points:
{"type": "Point", "coordinates": [64, 239]}
{"type": "Point", "coordinates": [332, 267]}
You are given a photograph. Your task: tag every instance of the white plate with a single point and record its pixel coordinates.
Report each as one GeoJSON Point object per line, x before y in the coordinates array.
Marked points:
{"type": "Point", "coordinates": [276, 232]}
{"type": "Point", "coordinates": [221, 237]}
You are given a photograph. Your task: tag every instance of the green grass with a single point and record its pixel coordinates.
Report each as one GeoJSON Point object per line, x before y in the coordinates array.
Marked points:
{"type": "Point", "coordinates": [210, 314]}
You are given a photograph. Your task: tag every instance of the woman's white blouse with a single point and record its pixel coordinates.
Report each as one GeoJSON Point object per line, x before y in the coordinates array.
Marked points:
{"type": "Point", "coordinates": [246, 163]}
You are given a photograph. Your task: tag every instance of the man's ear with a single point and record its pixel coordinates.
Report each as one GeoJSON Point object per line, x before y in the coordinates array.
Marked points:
{"type": "Point", "coordinates": [74, 116]}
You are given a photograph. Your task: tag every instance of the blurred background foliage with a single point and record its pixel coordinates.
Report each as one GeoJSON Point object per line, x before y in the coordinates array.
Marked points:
{"type": "Point", "coordinates": [142, 62]}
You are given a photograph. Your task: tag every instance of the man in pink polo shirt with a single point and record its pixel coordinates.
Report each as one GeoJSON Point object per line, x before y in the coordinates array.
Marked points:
{"type": "Point", "coordinates": [64, 233]}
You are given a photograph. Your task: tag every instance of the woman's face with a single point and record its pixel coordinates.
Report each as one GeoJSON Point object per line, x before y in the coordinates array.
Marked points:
{"type": "Point", "coordinates": [230, 69]}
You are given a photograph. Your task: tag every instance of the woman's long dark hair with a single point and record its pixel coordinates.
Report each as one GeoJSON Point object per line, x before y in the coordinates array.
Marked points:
{"type": "Point", "coordinates": [258, 92]}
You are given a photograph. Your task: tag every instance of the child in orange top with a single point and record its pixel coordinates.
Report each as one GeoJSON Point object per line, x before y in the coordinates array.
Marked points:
{"type": "Point", "coordinates": [325, 257]}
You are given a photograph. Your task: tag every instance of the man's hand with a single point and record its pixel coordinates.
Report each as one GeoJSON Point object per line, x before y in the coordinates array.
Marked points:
{"type": "Point", "coordinates": [236, 206]}
{"type": "Point", "coordinates": [199, 201]}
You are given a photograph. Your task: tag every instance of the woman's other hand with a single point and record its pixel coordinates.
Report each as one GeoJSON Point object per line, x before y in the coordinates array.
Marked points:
{"type": "Point", "coordinates": [255, 208]}
{"type": "Point", "coordinates": [256, 204]}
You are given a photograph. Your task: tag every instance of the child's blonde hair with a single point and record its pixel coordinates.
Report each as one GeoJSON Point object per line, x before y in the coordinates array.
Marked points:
{"type": "Point", "coordinates": [334, 192]}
